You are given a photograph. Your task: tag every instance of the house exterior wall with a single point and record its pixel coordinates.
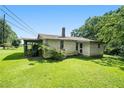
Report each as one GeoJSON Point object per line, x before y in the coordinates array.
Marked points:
{"type": "Point", "coordinates": [70, 47]}
{"type": "Point", "coordinates": [95, 50]}
{"type": "Point", "coordinates": [53, 44]}
{"type": "Point", "coordinates": [91, 49]}
{"type": "Point", "coordinates": [86, 49]}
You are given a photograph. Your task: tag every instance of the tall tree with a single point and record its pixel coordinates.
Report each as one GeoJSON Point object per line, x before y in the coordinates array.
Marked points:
{"type": "Point", "coordinates": [108, 28]}
{"type": "Point", "coordinates": [9, 34]}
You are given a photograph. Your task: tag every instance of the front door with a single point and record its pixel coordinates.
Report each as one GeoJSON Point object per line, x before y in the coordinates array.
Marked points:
{"type": "Point", "coordinates": [81, 48]}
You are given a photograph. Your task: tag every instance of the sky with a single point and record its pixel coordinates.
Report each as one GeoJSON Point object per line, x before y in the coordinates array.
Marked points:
{"type": "Point", "coordinates": [50, 19]}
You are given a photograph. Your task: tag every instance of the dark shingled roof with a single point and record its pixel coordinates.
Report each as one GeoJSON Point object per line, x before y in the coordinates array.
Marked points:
{"type": "Point", "coordinates": [56, 37]}
{"type": "Point", "coordinates": [41, 36]}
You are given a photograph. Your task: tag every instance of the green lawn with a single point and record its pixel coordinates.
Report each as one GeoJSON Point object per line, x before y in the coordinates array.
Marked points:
{"type": "Point", "coordinates": [77, 72]}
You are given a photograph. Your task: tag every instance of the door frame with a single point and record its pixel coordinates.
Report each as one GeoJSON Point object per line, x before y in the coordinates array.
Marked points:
{"type": "Point", "coordinates": [81, 48]}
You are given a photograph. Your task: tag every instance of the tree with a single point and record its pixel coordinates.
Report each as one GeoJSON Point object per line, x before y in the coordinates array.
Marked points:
{"type": "Point", "coordinates": [108, 28]}
{"type": "Point", "coordinates": [16, 43]}
{"type": "Point", "coordinates": [9, 34]}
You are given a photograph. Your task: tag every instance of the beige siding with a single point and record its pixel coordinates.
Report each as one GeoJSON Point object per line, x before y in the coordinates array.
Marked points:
{"type": "Point", "coordinates": [86, 49]}
{"type": "Point", "coordinates": [91, 49]}
{"type": "Point", "coordinates": [53, 44]}
{"type": "Point", "coordinates": [95, 51]}
{"type": "Point", "coordinates": [70, 47]}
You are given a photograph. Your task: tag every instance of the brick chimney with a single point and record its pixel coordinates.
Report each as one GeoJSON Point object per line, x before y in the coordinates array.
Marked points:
{"type": "Point", "coordinates": [63, 31]}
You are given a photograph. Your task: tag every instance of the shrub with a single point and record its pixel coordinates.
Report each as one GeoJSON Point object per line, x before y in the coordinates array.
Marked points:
{"type": "Point", "coordinates": [122, 67]}
{"type": "Point", "coordinates": [50, 53]}
{"type": "Point", "coordinates": [31, 63]}
{"type": "Point", "coordinates": [57, 56]}
{"type": "Point", "coordinates": [6, 45]}
{"type": "Point", "coordinates": [16, 43]}
{"type": "Point", "coordinates": [69, 53]}
{"type": "Point", "coordinates": [46, 51]}
{"type": "Point", "coordinates": [122, 50]}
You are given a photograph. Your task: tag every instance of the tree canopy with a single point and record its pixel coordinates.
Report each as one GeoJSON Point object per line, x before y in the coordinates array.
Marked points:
{"type": "Point", "coordinates": [9, 34]}
{"type": "Point", "coordinates": [108, 28]}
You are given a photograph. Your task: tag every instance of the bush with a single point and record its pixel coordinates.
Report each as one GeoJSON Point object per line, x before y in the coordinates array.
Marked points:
{"type": "Point", "coordinates": [57, 56]}
{"type": "Point", "coordinates": [122, 67]}
{"type": "Point", "coordinates": [45, 51]}
{"type": "Point", "coordinates": [16, 43]}
{"type": "Point", "coordinates": [122, 50]}
{"type": "Point", "coordinates": [50, 53]}
{"type": "Point", "coordinates": [6, 45]}
{"type": "Point", "coordinates": [69, 53]}
{"type": "Point", "coordinates": [31, 64]}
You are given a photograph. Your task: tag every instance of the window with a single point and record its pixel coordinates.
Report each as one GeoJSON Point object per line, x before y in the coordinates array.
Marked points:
{"type": "Point", "coordinates": [80, 50]}
{"type": "Point", "coordinates": [61, 44]}
{"type": "Point", "coordinates": [80, 45]}
{"type": "Point", "coordinates": [98, 45]}
{"type": "Point", "coordinates": [76, 46]}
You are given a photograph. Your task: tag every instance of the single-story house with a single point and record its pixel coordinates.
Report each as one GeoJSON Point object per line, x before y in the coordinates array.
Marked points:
{"type": "Point", "coordinates": [72, 45]}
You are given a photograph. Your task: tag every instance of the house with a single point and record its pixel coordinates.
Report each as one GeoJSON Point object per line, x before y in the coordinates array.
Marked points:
{"type": "Point", "coordinates": [71, 45]}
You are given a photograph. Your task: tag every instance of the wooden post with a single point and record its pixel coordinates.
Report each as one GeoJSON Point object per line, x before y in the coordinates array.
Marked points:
{"type": "Point", "coordinates": [25, 48]}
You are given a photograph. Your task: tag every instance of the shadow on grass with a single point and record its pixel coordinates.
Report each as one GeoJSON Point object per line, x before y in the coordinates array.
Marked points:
{"type": "Point", "coordinates": [42, 60]}
{"type": "Point", "coordinates": [105, 61]}
{"type": "Point", "coordinates": [17, 56]}
{"type": "Point", "coordinates": [110, 61]}
{"type": "Point", "coordinates": [14, 56]}
{"type": "Point", "coordinates": [81, 57]}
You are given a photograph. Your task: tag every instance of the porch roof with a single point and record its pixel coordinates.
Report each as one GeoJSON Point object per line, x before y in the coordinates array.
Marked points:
{"type": "Point", "coordinates": [31, 39]}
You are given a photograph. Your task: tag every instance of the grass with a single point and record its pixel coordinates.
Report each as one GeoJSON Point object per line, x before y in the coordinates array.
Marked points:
{"type": "Point", "coordinates": [74, 72]}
